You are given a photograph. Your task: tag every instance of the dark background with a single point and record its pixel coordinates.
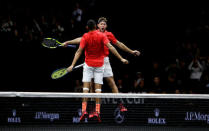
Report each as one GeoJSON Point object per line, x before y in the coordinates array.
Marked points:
{"type": "Point", "coordinates": [156, 29]}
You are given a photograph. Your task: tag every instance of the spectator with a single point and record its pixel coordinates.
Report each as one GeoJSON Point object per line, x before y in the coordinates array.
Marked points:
{"type": "Point", "coordinates": [78, 86]}
{"type": "Point", "coordinates": [77, 19]}
{"type": "Point", "coordinates": [156, 68]}
{"type": "Point", "coordinates": [57, 29]}
{"type": "Point", "coordinates": [138, 79]}
{"type": "Point", "coordinates": [195, 50]}
{"type": "Point", "coordinates": [172, 68]}
{"type": "Point", "coordinates": [127, 83]}
{"type": "Point", "coordinates": [183, 75]}
{"type": "Point", "coordinates": [139, 86]}
{"type": "Point", "coordinates": [171, 85]}
{"type": "Point", "coordinates": [7, 24]}
{"type": "Point", "coordinates": [77, 13]}
{"type": "Point", "coordinates": [204, 82]}
{"type": "Point", "coordinates": [120, 86]}
{"type": "Point", "coordinates": [196, 70]}
{"type": "Point", "coordinates": [206, 63]}
{"type": "Point", "coordinates": [156, 86]}
{"type": "Point", "coordinates": [44, 26]}
{"type": "Point", "coordinates": [184, 50]}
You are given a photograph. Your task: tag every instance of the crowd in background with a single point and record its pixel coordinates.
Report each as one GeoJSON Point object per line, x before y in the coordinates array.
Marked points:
{"type": "Point", "coordinates": [24, 26]}
{"type": "Point", "coordinates": [185, 71]}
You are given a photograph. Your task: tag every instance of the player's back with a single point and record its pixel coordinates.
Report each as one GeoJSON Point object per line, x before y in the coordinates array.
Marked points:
{"type": "Point", "coordinates": [94, 48]}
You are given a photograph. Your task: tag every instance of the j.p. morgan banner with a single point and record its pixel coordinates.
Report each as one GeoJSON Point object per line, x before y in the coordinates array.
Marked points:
{"type": "Point", "coordinates": [197, 116]}
{"type": "Point", "coordinates": [149, 112]}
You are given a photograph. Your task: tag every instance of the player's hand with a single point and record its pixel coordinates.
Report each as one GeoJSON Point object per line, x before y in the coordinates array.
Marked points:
{"type": "Point", "coordinates": [136, 53]}
{"type": "Point", "coordinates": [65, 44]}
{"type": "Point", "coordinates": [124, 61]}
{"type": "Point", "coordinates": [70, 68]}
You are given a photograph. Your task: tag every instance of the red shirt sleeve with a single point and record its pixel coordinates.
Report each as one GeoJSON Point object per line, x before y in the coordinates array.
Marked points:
{"type": "Point", "coordinates": [105, 40]}
{"type": "Point", "coordinates": [112, 38]}
{"type": "Point", "coordinates": [83, 42]}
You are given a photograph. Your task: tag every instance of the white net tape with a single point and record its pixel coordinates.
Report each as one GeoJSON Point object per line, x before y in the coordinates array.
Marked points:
{"type": "Point", "coordinates": [101, 95]}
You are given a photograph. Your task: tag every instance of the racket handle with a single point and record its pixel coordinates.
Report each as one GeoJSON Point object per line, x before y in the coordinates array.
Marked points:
{"type": "Point", "coordinates": [73, 46]}
{"type": "Point", "coordinates": [78, 66]}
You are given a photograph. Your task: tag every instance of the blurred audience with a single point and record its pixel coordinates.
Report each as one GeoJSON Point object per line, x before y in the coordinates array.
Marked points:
{"type": "Point", "coordinates": [139, 85]}
{"type": "Point", "coordinates": [156, 85]}
{"type": "Point", "coordinates": [186, 71]}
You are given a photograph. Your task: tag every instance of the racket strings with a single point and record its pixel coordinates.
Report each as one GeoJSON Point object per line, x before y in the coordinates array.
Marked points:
{"type": "Point", "coordinates": [50, 43]}
{"type": "Point", "coordinates": [59, 73]}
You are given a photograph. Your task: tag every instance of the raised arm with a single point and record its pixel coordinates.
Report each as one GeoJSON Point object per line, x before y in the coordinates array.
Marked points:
{"type": "Point", "coordinates": [74, 41]}
{"type": "Point", "coordinates": [115, 52]}
{"type": "Point", "coordinates": [76, 57]}
{"type": "Point", "coordinates": [125, 48]}
{"type": "Point", "coordinates": [190, 65]}
{"type": "Point", "coordinates": [200, 66]}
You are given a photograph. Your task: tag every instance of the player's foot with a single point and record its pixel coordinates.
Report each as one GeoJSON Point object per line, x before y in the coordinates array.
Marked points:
{"type": "Point", "coordinates": [123, 108]}
{"type": "Point", "coordinates": [91, 115]}
{"type": "Point", "coordinates": [95, 116]}
{"type": "Point", "coordinates": [83, 116]}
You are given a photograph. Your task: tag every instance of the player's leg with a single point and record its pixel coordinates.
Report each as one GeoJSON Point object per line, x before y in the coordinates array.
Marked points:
{"type": "Point", "coordinates": [98, 81]}
{"type": "Point", "coordinates": [86, 86]}
{"type": "Point", "coordinates": [108, 75]}
{"type": "Point", "coordinates": [96, 113]}
{"type": "Point", "coordinates": [87, 76]}
{"type": "Point", "coordinates": [92, 86]}
{"type": "Point", "coordinates": [92, 89]}
{"type": "Point", "coordinates": [111, 82]}
{"type": "Point", "coordinates": [98, 89]}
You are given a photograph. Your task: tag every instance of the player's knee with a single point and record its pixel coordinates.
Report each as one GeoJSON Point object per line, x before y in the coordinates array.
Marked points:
{"type": "Point", "coordinates": [98, 90]}
{"type": "Point", "coordinates": [85, 89]}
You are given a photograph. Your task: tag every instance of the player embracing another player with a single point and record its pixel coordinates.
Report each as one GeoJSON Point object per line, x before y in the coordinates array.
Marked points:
{"type": "Point", "coordinates": [94, 44]}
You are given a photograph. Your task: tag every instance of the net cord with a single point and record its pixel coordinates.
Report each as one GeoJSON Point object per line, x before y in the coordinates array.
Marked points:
{"type": "Point", "coordinates": [102, 95]}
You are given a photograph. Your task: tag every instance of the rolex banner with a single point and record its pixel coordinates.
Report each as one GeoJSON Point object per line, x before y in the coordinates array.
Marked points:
{"type": "Point", "coordinates": [140, 112]}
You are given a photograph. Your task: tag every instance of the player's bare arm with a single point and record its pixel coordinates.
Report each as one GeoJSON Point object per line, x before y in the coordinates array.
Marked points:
{"type": "Point", "coordinates": [76, 57]}
{"type": "Point", "coordinates": [74, 41]}
{"type": "Point", "coordinates": [125, 48]}
{"type": "Point", "coordinates": [115, 52]}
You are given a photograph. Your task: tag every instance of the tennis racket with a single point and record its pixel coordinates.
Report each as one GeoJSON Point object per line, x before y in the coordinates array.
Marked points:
{"type": "Point", "coordinates": [63, 71]}
{"type": "Point", "coordinates": [53, 43]}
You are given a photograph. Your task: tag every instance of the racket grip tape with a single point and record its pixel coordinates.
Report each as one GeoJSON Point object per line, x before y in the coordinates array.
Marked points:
{"type": "Point", "coordinates": [78, 66]}
{"type": "Point", "coordinates": [73, 46]}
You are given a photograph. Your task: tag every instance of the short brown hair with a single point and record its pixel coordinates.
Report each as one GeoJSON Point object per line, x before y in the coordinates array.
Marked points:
{"type": "Point", "coordinates": [102, 19]}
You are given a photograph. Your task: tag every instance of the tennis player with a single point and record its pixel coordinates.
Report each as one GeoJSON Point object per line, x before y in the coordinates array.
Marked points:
{"type": "Point", "coordinates": [93, 43]}
{"type": "Point", "coordinates": [108, 74]}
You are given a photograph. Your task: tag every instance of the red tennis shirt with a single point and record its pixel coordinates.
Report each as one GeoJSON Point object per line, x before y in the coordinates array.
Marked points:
{"type": "Point", "coordinates": [94, 43]}
{"type": "Point", "coordinates": [111, 38]}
